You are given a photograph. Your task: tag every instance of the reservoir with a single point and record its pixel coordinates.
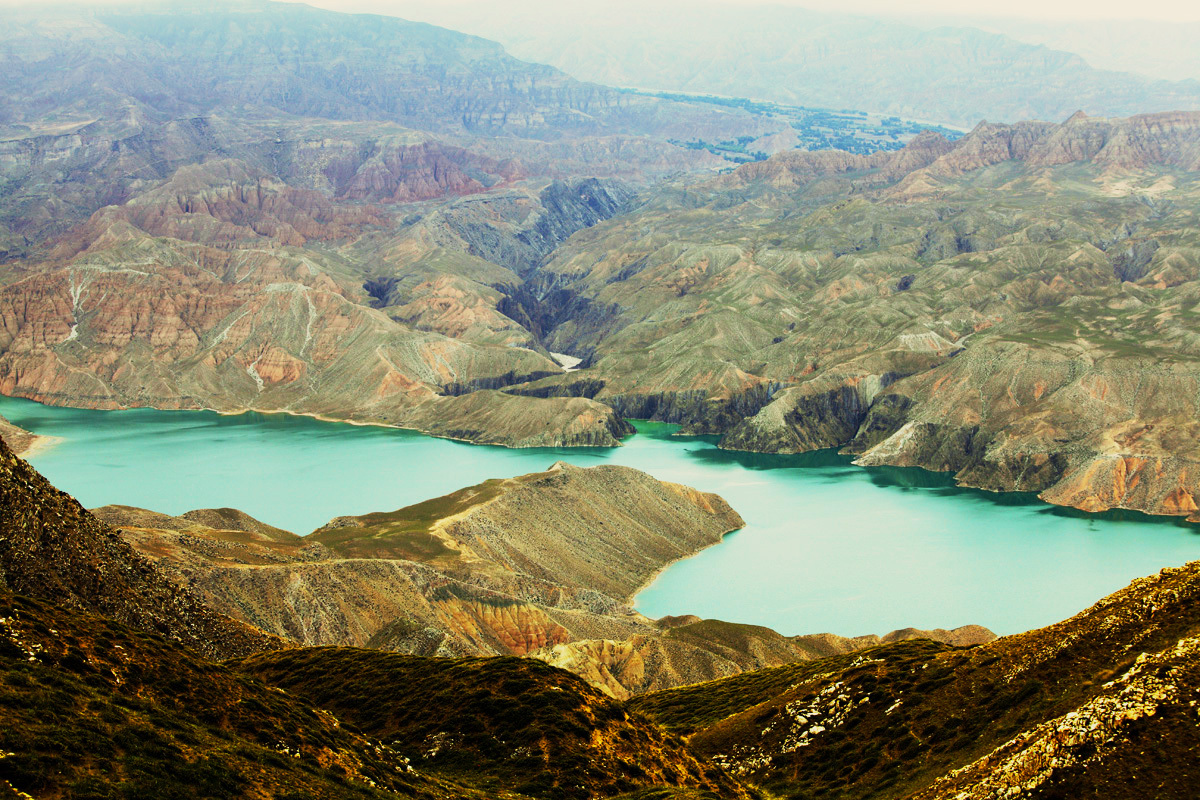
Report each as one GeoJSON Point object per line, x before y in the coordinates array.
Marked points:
{"type": "Point", "coordinates": [827, 546]}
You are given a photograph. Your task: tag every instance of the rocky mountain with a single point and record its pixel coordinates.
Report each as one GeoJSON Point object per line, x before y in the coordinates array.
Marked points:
{"type": "Point", "coordinates": [926, 69]}
{"type": "Point", "coordinates": [952, 306]}
{"type": "Point", "coordinates": [217, 290]}
{"type": "Point", "coordinates": [253, 206]}
{"type": "Point", "coordinates": [360, 106]}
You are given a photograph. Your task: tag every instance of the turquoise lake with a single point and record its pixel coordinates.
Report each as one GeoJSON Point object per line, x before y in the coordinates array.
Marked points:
{"type": "Point", "coordinates": [828, 546]}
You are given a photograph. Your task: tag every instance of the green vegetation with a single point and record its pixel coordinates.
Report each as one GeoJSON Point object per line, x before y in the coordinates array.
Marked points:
{"type": "Point", "coordinates": [89, 708]}
{"type": "Point", "coordinates": [694, 708]}
{"type": "Point", "coordinates": [816, 128]}
{"type": "Point", "coordinates": [406, 533]}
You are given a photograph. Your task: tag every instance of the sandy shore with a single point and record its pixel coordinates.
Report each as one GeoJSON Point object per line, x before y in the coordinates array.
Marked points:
{"type": "Point", "coordinates": [34, 445]}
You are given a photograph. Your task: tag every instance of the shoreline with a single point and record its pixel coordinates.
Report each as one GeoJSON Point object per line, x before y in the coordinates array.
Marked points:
{"type": "Point", "coordinates": [664, 567]}
{"type": "Point", "coordinates": [1191, 521]}
{"type": "Point", "coordinates": [37, 445]}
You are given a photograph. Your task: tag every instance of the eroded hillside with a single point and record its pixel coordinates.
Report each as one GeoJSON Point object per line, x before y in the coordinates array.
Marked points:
{"type": "Point", "coordinates": [1014, 307]}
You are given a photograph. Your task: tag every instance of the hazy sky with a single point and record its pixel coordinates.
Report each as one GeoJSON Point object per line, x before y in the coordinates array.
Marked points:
{"type": "Point", "coordinates": [1176, 10]}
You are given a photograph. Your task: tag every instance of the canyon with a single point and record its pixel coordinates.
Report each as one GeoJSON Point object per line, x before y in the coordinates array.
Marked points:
{"type": "Point", "coordinates": [940, 372]}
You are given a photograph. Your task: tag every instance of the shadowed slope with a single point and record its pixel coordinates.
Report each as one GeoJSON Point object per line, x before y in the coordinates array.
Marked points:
{"type": "Point", "coordinates": [50, 547]}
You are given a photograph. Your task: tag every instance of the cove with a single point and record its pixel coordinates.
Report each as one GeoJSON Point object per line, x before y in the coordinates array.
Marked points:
{"type": "Point", "coordinates": [827, 546]}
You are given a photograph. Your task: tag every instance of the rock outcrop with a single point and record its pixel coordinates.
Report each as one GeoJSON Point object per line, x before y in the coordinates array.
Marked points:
{"type": "Point", "coordinates": [19, 440]}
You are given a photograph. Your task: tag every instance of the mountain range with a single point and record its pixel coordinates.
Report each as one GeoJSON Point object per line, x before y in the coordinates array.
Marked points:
{"type": "Point", "coordinates": [260, 206]}
{"type": "Point", "coordinates": [946, 71]}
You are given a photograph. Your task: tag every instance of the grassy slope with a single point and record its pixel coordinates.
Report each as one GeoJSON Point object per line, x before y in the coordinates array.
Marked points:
{"type": "Point", "coordinates": [528, 726]}
{"type": "Point", "coordinates": [90, 708]}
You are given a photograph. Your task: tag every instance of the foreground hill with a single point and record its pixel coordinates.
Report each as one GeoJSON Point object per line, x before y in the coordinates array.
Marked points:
{"type": "Point", "coordinates": [51, 547]}
{"type": "Point", "coordinates": [91, 707]}
{"type": "Point", "coordinates": [128, 703]}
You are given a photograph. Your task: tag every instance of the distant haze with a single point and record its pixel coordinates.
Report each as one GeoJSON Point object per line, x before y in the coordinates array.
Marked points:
{"type": "Point", "coordinates": [1168, 10]}
{"type": "Point", "coordinates": [1109, 34]}
{"type": "Point", "coordinates": [1065, 10]}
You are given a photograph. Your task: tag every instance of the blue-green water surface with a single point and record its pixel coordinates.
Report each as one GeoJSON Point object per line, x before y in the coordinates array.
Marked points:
{"type": "Point", "coordinates": [828, 546]}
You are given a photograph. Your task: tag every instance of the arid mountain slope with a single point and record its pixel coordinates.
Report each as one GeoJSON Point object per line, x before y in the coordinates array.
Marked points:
{"type": "Point", "coordinates": [688, 650]}
{"type": "Point", "coordinates": [201, 293]}
{"type": "Point", "coordinates": [50, 547]}
{"type": "Point", "coordinates": [204, 211]}
{"type": "Point", "coordinates": [1077, 709]}
{"type": "Point", "coordinates": [951, 306]}
{"type": "Point", "coordinates": [505, 567]}
{"type": "Point", "coordinates": [357, 106]}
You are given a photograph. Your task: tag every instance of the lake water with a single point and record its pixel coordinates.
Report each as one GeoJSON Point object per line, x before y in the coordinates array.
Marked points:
{"type": "Point", "coordinates": [828, 546]}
